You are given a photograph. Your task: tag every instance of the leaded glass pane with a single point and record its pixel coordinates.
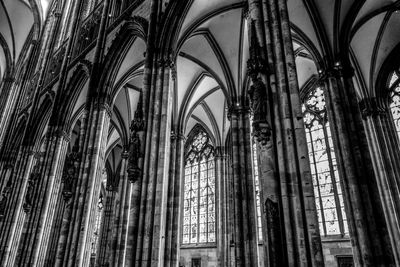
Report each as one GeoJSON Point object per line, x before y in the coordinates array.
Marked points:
{"type": "Point", "coordinates": [327, 189]}
{"type": "Point", "coordinates": [395, 107]}
{"type": "Point", "coordinates": [199, 192]}
{"type": "Point", "coordinates": [393, 79]}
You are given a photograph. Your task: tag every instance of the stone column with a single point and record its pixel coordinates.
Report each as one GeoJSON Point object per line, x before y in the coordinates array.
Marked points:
{"type": "Point", "coordinates": [150, 242]}
{"type": "Point", "coordinates": [290, 216]}
{"type": "Point", "coordinates": [7, 104]}
{"type": "Point", "coordinates": [173, 228]}
{"type": "Point", "coordinates": [89, 189]}
{"type": "Point", "coordinates": [121, 216]}
{"type": "Point", "coordinates": [13, 214]}
{"type": "Point", "coordinates": [385, 151]}
{"type": "Point", "coordinates": [107, 224]}
{"type": "Point", "coordinates": [223, 208]}
{"type": "Point", "coordinates": [245, 239]}
{"type": "Point", "coordinates": [361, 187]}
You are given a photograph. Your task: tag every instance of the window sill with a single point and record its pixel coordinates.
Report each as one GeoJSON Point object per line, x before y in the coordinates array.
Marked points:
{"type": "Point", "coordinates": [193, 246]}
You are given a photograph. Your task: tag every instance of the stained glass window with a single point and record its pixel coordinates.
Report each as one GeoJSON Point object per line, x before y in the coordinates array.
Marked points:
{"type": "Point", "coordinates": [96, 230]}
{"type": "Point", "coordinates": [199, 192]}
{"type": "Point", "coordinates": [328, 194]}
{"type": "Point", "coordinates": [257, 191]}
{"type": "Point", "coordinates": [394, 86]}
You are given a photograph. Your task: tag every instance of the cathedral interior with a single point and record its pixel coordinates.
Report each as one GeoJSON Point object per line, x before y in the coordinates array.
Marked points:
{"type": "Point", "coordinates": [200, 133]}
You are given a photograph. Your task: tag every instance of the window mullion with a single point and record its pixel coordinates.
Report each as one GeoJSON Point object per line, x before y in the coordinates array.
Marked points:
{"type": "Point", "coordinates": [333, 180]}
{"type": "Point", "coordinates": [321, 207]}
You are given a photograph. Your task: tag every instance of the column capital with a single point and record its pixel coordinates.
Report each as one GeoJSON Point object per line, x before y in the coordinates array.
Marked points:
{"type": "Point", "coordinates": [125, 155]}
{"type": "Point", "coordinates": [238, 109]}
{"type": "Point", "coordinates": [336, 70]}
{"type": "Point", "coordinates": [177, 136]}
{"type": "Point", "coordinates": [372, 107]}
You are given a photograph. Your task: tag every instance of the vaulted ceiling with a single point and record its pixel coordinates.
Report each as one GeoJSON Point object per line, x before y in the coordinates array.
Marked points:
{"type": "Point", "coordinates": [16, 20]}
{"type": "Point", "coordinates": [213, 50]}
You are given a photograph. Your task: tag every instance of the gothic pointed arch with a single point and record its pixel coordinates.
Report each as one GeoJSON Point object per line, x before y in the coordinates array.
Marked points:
{"type": "Point", "coordinates": [133, 28]}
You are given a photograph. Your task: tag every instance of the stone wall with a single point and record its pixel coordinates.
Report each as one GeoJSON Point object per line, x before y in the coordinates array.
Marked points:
{"type": "Point", "coordinates": [208, 256]}
{"type": "Point", "coordinates": [334, 248]}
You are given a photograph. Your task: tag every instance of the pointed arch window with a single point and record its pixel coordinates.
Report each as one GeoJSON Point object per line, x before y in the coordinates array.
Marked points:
{"type": "Point", "coordinates": [199, 191]}
{"type": "Point", "coordinates": [328, 194]}
{"type": "Point", "coordinates": [394, 89]}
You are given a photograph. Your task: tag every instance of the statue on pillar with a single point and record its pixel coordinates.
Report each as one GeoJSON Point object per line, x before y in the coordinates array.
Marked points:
{"type": "Point", "coordinates": [137, 125]}
{"type": "Point", "coordinates": [30, 190]}
{"type": "Point", "coordinates": [258, 91]}
{"type": "Point", "coordinates": [70, 174]}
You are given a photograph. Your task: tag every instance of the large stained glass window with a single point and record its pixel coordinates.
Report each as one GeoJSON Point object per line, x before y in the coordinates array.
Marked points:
{"type": "Point", "coordinates": [327, 189]}
{"type": "Point", "coordinates": [199, 191]}
{"type": "Point", "coordinates": [394, 87]}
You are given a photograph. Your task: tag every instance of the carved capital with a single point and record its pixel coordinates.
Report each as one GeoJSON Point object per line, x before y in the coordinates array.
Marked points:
{"type": "Point", "coordinates": [373, 107]}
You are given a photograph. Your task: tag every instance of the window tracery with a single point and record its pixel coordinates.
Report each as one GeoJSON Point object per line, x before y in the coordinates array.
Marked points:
{"type": "Point", "coordinates": [327, 189]}
{"type": "Point", "coordinates": [199, 192]}
{"type": "Point", "coordinates": [394, 87]}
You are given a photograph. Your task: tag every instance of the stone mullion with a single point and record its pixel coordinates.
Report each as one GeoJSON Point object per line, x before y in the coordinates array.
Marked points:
{"type": "Point", "coordinates": [97, 148]}
{"type": "Point", "coordinates": [237, 194]}
{"type": "Point", "coordinates": [386, 164]}
{"type": "Point", "coordinates": [13, 218]}
{"type": "Point", "coordinates": [361, 197]}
